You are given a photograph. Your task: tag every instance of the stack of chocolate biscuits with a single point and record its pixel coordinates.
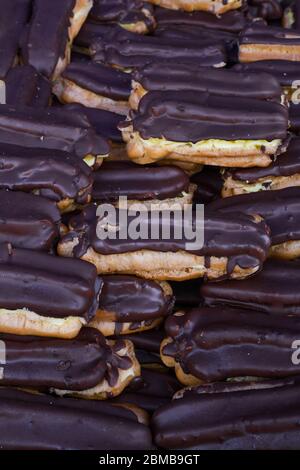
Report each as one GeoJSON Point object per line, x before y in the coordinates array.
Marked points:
{"type": "Point", "coordinates": [149, 340]}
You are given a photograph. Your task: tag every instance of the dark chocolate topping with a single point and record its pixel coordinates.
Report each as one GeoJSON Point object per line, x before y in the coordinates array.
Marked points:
{"type": "Point", "coordinates": [260, 34]}
{"type": "Point", "coordinates": [192, 117]}
{"type": "Point", "coordinates": [75, 364]}
{"type": "Point", "coordinates": [286, 164]}
{"type": "Point", "coordinates": [285, 71]}
{"type": "Point", "coordinates": [31, 422]}
{"type": "Point", "coordinates": [220, 343]}
{"type": "Point", "coordinates": [52, 128]}
{"type": "Point", "coordinates": [59, 287]}
{"type": "Point", "coordinates": [245, 419]}
{"type": "Point", "coordinates": [237, 237]}
{"type": "Point", "coordinates": [115, 179]}
{"type": "Point", "coordinates": [91, 31]}
{"type": "Point", "coordinates": [46, 37]}
{"type": "Point", "coordinates": [133, 299]}
{"type": "Point", "coordinates": [294, 117]}
{"type": "Point", "coordinates": [193, 32]}
{"type": "Point", "coordinates": [280, 210]}
{"type": "Point", "coordinates": [26, 87]}
{"type": "Point", "coordinates": [28, 221]}
{"type": "Point", "coordinates": [125, 12]}
{"type": "Point", "coordinates": [209, 184]}
{"type": "Point", "coordinates": [99, 79]}
{"type": "Point", "coordinates": [187, 293]}
{"type": "Point", "coordinates": [165, 77]}
{"type": "Point", "coordinates": [273, 290]}
{"type": "Point", "coordinates": [54, 174]}
{"type": "Point", "coordinates": [148, 341]}
{"type": "Point", "coordinates": [267, 9]}
{"type": "Point", "coordinates": [13, 18]}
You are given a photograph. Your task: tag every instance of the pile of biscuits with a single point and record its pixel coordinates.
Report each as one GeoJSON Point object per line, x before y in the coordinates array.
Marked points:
{"type": "Point", "coordinates": [144, 343]}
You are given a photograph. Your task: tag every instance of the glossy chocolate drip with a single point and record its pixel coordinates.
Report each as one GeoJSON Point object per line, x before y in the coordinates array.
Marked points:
{"type": "Point", "coordinates": [34, 421]}
{"type": "Point", "coordinates": [46, 38]}
{"type": "Point", "coordinates": [132, 299]}
{"type": "Point", "coordinates": [249, 419]}
{"type": "Point", "coordinates": [273, 290]}
{"type": "Point", "coordinates": [26, 87]}
{"type": "Point", "coordinates": [164, 77]}
{"type": "Point", "coordinates": [209, 184]}
{"type": "Point", "coordinates": [54, 174]}
{"type": "Point", "coordinates": [99, 79]}
{"type": "Point", "coordinates": [219, 343]}
{"type": "Point", "coordinates": [28, 221]}
{"type": "Point", "coordinates": [13, 18]}
{"type": "Point", "coordinates": [125, 12]}
{"type": "Point", "coordinates": [192, 117]}
{"type": "Point", "coordinates": [280, 210]}
{"type": "Point", "coordinates": [224, 236]}
{"type": "Point", "coordinates": [232, 21]}
{"type": "Point", "coordinates": [59, 287]}
{"type": "Point", "coordinates": [260, 34]}
{"type": "Point", "coordinates": [285, 71]}
{"type": "Point", "coordinates": [77, 364]}
{"type": "Point", "coordinates": [116, 179]}
{"type": "Point", "coordinates": [286, 164]}
{"type": "Point", "coordinates": [52, 128]}
{"type": "Point", "coordinates": [129, 50]}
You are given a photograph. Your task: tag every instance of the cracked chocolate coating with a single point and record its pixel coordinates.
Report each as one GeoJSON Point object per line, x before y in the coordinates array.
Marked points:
{"type": "Point", "coordinates": [99, 79]}
{"type": "Point", "coordinates": [215, 344]}
{"type": "Point", "coordinates": [34, 421]}
{"type": "Point", "coordinates": [54, 174]}
{"type": "Point", "coordinates": [53, 128]}
{"type": "Point", "coordinates": [248, 419]}
{"type": "Point", "coordinates": [133, 299]}
{"type": "Point", "coordinates": [286, 164]}
{"type": "Point", "coordinates": [280, 210]}
{"type": "Point", "coordinates": [59, 287]}
{"type": "Point", "coordinates": [26, 87]}
{"type": "Point", "coordinates": [76, 364]}
{"type": "Point", "coordinates": [28, 221]}
{"type": "Point", "coordinates": [285, 71]}
{"type": "Point", "coordinates": [116, 179]}
{"type": "Point", "coordinates": [190, 118]}
{"type": "Point", "coordinates": [164, 77]}
{"type": "Point", "coordinates": [48, 26]}
{"type": "Point", "coordinates": [272, 290]}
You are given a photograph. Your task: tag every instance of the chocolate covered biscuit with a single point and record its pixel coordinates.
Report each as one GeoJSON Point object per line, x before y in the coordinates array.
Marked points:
{"type": "Point", "coordinates": [27, 87]}
{"type": "Point", "coordinates": [214, 6]}
{"type": "Point", "coordinates": [273, 290]}
{"type": "Point", "coordinates": [44, 295]}
{"type": "Point", "coordinates": [235, 246]}
{"type": "Point", "coordinates": [204, 128]}
{"type": "Point", "coordinates": [94, 85]}
{"type": "Point", "coordinates": [282, 173]}
{"type": "Point", "coordinates": [52, 128]}
{"type": "Point", "coordinates": [128, 304]}
{"type": "Point", "coordinates": [217, 344]}
{"type": "Point", "coordinates": [43, 422]}
{"type": "Point", "coordinates": [260, 416]}
{"type": "Point", "coordinates": [53, 174]}
{"type": "Point", "coordinates": [46, 44]}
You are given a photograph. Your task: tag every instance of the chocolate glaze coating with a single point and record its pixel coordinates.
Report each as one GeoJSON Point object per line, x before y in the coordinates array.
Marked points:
{"type": "Point", "coordinates": [209, 184]}
{"type": "Point", "coordinates": [76, 364]}
{"type": "Point", "coordinates": [52, 128]}
{"type": "Point", "coordinates": [28, 221]}
{"type": "Point", "coordinates": [41, 422]}
{"type": "Point", "coordinates": [147, 341]}
{"type": "Point", "coordinates": [294, 115]}
{"type": "Point", "coordinates": [164, 77]}
{"type": "Point", "coordinates": [91, 31]}
{"type": "Point", "coordinates": [133, 299]}
{"type": "Point", "coordinates": [223, 236]}
{"type": "Point", "coordinates": [219, 343]}
{"type": "Point", "coordinates": [285, 71]}
{"type": "Point", "coordinates": [261, 34]}
{"type": "Point", "coordinates": [14, 16]}
{"type": "Point", "coordinates": [273, 290]}
{"type": "Point", "coordinates": [262, 418]}
{"type": "Point", "coordinates": [53, 174]}
{"type": "Point", "coordinates": [99, 79]}
{"type": "Point", "coordinates": [59, 287]}
{"type": "Point", "coordinates": [26, 87]}
{"type": "Point", "coordinates": [280, 209]}
{"type": "Point", "coordinates": [129, 50]}
{"type": "Point", "coordinates": [122, 12]}
{"type": "Point", "coordinates": [117, 179]}
{"type": "Point", "coordinates": [191, 118]}
{"type": "Point", "coordinates": [233, 21]}
{"type": "Point", "coordinates": [46, 37]}
{"type": "Point", "coordinates": [286, 164]}
{"type": "Point", "coordinates": [187, 293]}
